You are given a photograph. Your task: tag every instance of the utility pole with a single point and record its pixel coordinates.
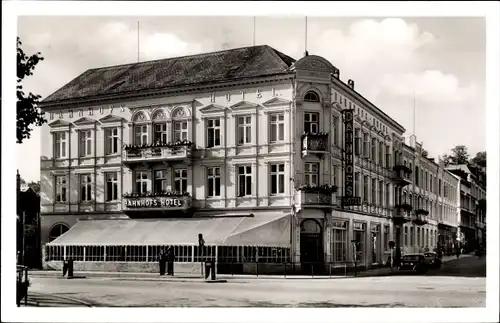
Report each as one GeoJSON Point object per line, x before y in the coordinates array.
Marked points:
{"type": "Point", "coordinates": [24, 238]}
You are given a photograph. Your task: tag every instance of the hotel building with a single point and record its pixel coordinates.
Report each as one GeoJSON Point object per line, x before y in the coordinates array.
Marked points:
{"type": "Point", "coordinates": [248, 147]}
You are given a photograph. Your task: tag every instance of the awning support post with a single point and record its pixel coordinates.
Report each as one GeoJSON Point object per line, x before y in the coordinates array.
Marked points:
{"type": "Point", "coordinates": [104, 253]}
{"type": "Point", "coordinates": [192, 253]}
{"type": "Point", "coordinates": [147, 253]}
{"type": "Point", "coordinates": [216, 258]}
{"type": "Point", "coordinates": [64, 252]}
{"type": "Point", "coordinates": [84, 253]}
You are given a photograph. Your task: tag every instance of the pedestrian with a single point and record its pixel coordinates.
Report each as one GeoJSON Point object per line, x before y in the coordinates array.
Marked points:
{"type": "Point", "coordinates": [170, 259]}
{"type": "Point", "coordinates": [162, 259]}
{"type": "Point", "coordinates": [457, 250]}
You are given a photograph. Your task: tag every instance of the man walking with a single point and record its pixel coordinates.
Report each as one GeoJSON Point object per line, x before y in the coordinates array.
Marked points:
{"type": "Point", "coordinates": [170, 259]}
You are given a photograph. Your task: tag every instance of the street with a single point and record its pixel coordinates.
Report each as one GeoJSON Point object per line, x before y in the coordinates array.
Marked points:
{"type": "Point", "coordinates": [460, 283]}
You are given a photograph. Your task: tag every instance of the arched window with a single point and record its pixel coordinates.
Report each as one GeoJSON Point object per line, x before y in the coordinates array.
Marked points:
{"type": "Point", "coordinates": [310, 226]}
{"type": "Point", "coordinates": [311, 96]}
{"type": "Point", "coordinates": [57, 230]}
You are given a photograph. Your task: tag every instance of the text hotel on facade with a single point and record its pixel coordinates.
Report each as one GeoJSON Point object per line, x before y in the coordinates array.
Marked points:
{"type": "Point", "coordinates": [234, 145]}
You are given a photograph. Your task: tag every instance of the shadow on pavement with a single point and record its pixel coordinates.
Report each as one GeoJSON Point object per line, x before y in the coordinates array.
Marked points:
{"type": "Point", "coordinates": [462, 267]}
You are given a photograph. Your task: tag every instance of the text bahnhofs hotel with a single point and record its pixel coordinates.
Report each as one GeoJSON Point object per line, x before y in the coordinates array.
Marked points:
{"type": "Point", "coordinates": [249, 147]}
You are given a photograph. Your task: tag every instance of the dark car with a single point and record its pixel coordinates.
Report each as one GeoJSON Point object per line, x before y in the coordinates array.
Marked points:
{"type": "Point", "coordinates": [413, 263]}
{"type": "Point", "coordinates": [432, 260]}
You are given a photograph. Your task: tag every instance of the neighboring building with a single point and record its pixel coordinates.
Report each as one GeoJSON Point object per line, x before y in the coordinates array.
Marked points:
{"type": "Point", "coordinates": [246, 146]}
{"type": "Point", "coordinates": [28, 210]}
{"type": "Point", "coordinates": [472, 205]}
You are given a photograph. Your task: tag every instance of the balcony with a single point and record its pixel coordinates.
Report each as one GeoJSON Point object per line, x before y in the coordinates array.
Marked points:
{"type": "Point", "coordinates": [161, 203]}
{"type": "Point", "coordinates": [314, 144]}
{"type": "Point", "coordinates": [315, 197]}
{"type": "Point", "coordinates": [401, 175]}
{"type": "Point", "coordinates": [158, 153]}
{"type": "Point", "coordinates": [401, 213]}
{"type": "Point", "coordinates": [420, 217]}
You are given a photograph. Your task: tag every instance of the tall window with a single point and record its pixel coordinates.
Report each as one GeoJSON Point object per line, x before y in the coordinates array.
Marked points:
{"type": "Point", "coordinates": [277, 178]}
{"type": "Point", "coordinates": [366, 191]}
{"type": "Point", "coordinates": [380, 193]}
{"type": "Point", "coordinates": [386, 238]}
{"type": "Point", "coordinates": [311, 124]}
{"type": "Point", "coordinates": [141, 134]}
{"type": "Point", "coordinates": [60, 144]}
{"type": "Point", "coordinates": [374, 150]}
{"type": "Point", "coordinates": [213, 133]}
{"type": "Point", "coordinates": [160, 181]}
{"type": "Point", "coordinates": [335, 170]}
{"type": "Point", "coordinates": [142, 182]}
{"type": "Point", "coordinates": [85, 143]}
{"type": "Point", "coordinates": [366, 146]}
{"type": "Point", "coordinates": [418, 238]}
{"type": "Point", "coordinates": [387, 156]}
{"type": "Point", "coordinates": [374, 191]}
{"type": "Point", "coordinates": [180, 130]}
{"type": "Point", "coordinates": [311, 174]}
{"type": "Point", "coordinates": [160, 132]}
{"type": "Point", "coordinates": [406, 236]}
{"type": "Point", "coordinates": [245, 180]}
{"type": "Point", "coordinates": [387, 195]}
{"type": "Point", "coordinates": [111, 135]}
{"type": "Point", "coordinates": [339, 241]}
{"type": "Point", "coordinates": [277, 127]}
{"type": "Point", "coordinates": [111, 186]}
{"type": "Point", "coordinates": [412, 236]}
{"type": "Point", "coordinates": [416, 176]}
{"type": "Point", "coordinates": [180, 180]}
{"type": "Point", "coordinates": [85, 187]}
{"type": "Point", "coordinates": [335, 124]}
{"type": "Point", "coordinates": [244, 130]}
{"type": "Point", "coordinates": [360, 237]}
{"type": "Point", "coordinates": [357, 184]}
{"type": "Point", "coordinates": [61, 189]}
{"type": "Point", "coordinates": [357, 142]}
{"type": "Point", "coordinates": [381, 153]}
{"type": "Point", "coordinates": [425, 181]}
{"type": "Point", "coordinates": [213, 181]}
{"type": "Point", "coordinates": [430, 184]}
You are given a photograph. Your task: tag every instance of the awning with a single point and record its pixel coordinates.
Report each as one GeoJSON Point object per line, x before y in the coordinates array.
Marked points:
{"type": "Point", "coordinates": [258, 230]}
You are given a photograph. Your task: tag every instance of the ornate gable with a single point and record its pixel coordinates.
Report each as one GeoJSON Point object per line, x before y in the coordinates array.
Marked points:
{"type": "Point", "coordinates": [59, 123]}
{"type": "Point", "coordinates": [110, 118]}
{"type": "Point", "coordinates": [84, 121]}
{"type": "Point", "coordinates": [243, 105]}
{"type": "Point", "coordinates": [316, 63]}
{"type": "Point", "coordinates": [213, 108]}
{"type": "Point", "coordinates": [276, 102]}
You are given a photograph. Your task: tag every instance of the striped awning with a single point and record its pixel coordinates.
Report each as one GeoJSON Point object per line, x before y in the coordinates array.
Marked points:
{"type": "Point", "coordinates": [257, 230]}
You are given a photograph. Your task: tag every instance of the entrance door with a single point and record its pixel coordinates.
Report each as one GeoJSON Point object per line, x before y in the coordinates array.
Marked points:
{"type": "Point", "coordinates": [311, 246]}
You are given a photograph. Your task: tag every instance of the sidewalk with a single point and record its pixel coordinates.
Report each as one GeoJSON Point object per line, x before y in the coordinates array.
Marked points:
{"type": "Point", "coordinates": [385, 271]}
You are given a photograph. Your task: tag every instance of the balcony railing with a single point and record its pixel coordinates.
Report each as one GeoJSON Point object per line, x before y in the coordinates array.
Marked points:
{"type": "Point", "coordinates": [401, 175]}
{"type": "Point", "coordinates": [314, 143]}
{"type": "Point", "coordinates": [319, 196]}
{"type": "Point", "coordinates": [401, 213]}
{"type": "Point", "coordinates": [161, 202]}
{"type": "Point", "coordinates": [139, 154]}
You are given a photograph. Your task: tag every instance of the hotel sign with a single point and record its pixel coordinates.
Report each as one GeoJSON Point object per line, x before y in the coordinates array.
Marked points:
{"type": "Point", "coordinates": [150, 202]}
{"type": "Point", "coordinates": [349, 198]}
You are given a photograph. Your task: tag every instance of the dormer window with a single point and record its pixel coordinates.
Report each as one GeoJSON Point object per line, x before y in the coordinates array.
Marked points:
{"type": "Point", "coordinates": [311, 96]}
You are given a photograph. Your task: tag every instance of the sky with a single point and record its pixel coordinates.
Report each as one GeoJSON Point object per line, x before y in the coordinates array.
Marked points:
{"type": "Point", "coordinates": [436, 64]}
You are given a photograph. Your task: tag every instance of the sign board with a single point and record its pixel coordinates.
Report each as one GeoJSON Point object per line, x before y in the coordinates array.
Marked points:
{"type": "Point", "coordinates": [350, 201]}
{"type": "Point", "coordinates": [152, 202]}
{"type": "Point", "coordinates": [349, 152]}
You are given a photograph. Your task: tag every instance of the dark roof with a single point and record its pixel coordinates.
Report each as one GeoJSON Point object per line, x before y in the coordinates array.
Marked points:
{"type": "Point", "coordinates": [219, 66]}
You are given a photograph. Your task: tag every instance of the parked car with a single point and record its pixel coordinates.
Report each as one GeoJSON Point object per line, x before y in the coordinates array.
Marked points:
{"type": "Point", "coordinates": [432, 260]}
{"type": "Point", "coordinates": [413, 263]}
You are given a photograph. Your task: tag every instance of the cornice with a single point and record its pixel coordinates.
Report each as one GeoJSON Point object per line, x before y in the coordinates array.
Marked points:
{"type": "Point", "coordinates": [54, 105]}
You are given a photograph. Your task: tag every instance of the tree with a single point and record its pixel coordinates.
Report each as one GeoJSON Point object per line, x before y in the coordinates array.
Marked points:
{"type": "Point", "coordinates": [28, 112]}
{"type": "Point", "coordinates": [480, 159]}
{"type": "Point", "coordinates": [459, 156]}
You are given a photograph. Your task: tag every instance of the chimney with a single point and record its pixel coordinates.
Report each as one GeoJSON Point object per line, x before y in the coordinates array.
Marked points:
{"type": "Point", "coordinates": [306, 53]}
{"type": "Point", "coordinates": [413, 141]}
{"type": "Point", "coordinates": [351, 84]}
